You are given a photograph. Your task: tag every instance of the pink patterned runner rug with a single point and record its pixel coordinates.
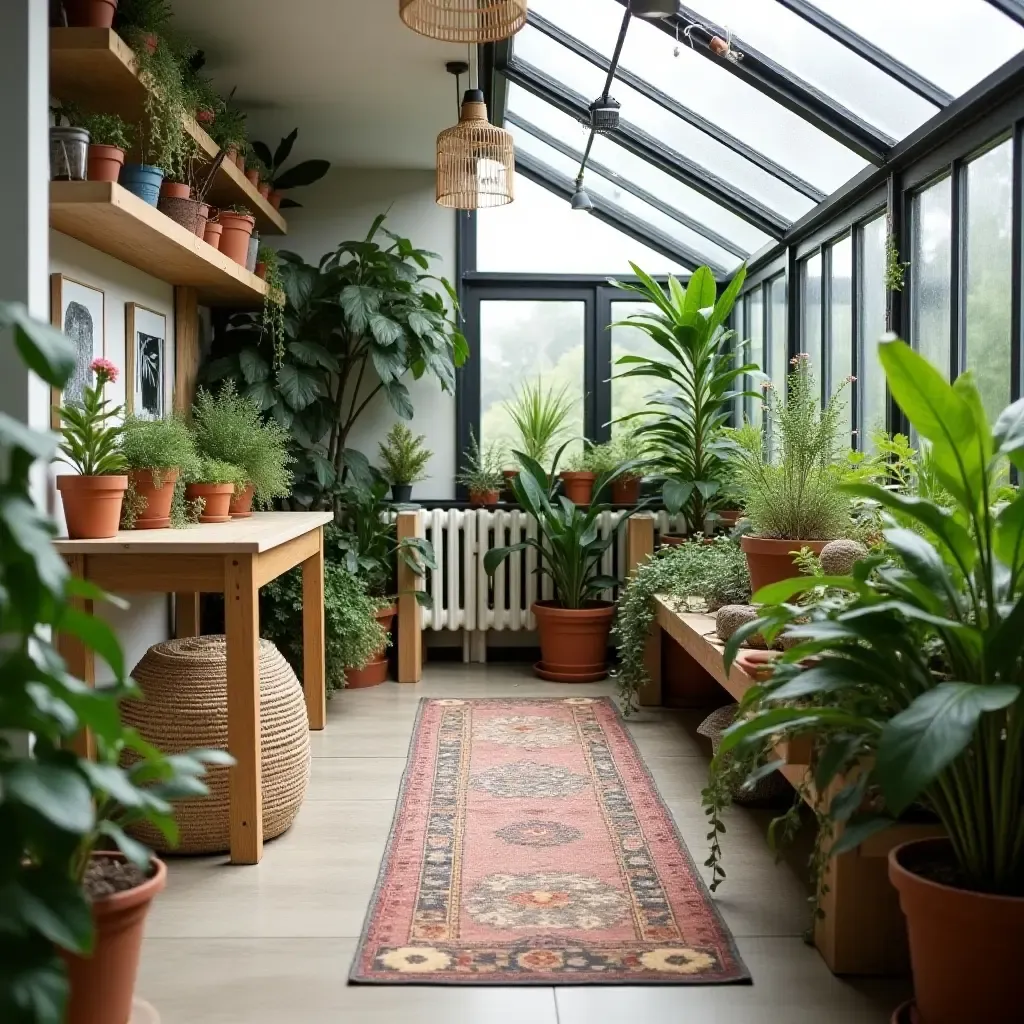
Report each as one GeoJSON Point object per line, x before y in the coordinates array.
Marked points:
{"type": "Point", "coordinates": [530, 846]}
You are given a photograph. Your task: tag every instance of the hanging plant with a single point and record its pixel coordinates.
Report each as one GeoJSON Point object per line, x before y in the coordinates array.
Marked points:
{"type": "Point", "coordinates": [895, 271]}
{"type": "Point", "coordinates": [164, 140]}
{"type": "Point", "coordinates": [273, 301]}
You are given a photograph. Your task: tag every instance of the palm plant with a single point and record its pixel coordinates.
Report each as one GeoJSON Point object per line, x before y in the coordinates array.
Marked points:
{"type": "Point", "coordinates": [540, 415]}
{"type": "Point", "coordinates": [700, 371]}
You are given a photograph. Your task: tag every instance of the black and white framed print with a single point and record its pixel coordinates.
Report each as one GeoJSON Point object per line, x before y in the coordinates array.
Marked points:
{"type": "Point", "coordinates": [77, 309]}
{"type": "Point", "coordinates": [146, 363]}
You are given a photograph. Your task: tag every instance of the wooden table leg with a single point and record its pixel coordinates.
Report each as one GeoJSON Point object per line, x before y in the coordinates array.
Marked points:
{"type": "Point", "coordinates": [314, 671]}
{"type": "Point", "coordinates": [79, 658]}
{"type": "Point", "coordinates": [410, 614]}
{"type": "Point", "coordinates": [649, 696]}
{"type": "Point", "coordinates": [242, 626]}
{"type": "Point", "coordinates": [186, 615]}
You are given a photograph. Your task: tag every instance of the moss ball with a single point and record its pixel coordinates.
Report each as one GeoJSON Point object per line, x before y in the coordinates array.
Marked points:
{"type": "Point", "coordinates": [838, 556]}
{"type": "Point", "coordinates": [731, 616]}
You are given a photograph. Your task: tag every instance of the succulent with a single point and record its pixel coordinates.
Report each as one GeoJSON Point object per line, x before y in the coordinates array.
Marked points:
{"type": "Point", "coordinates": [837, 557]}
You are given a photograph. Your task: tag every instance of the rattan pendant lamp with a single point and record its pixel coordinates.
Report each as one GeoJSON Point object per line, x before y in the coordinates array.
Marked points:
{"type": "Point", "coordinates": [464, 21]}
{"type": "Point", "coordinates": [476, 161]}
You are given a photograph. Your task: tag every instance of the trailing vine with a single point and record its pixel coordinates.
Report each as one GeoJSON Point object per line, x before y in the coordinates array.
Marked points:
{"type": "Point", "coordinates": [895, 270]}
{"type": "Point", "coordinates": [273, 301]}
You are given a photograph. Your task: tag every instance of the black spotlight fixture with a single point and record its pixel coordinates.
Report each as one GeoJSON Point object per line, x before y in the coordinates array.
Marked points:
{"type": "Point", "coordinates": [653, 8]}
{"type": "Point", "coordinates": [604, 114]}
{"type": "Point", "coordinates": [580, 199]}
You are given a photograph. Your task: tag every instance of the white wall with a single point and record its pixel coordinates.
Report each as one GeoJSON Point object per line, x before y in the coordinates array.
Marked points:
{"type": "Point", "coordinates": [342, 207]}
{"type": "Point", "coordinates": [146, 621]}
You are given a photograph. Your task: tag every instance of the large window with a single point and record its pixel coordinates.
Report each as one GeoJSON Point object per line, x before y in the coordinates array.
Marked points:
{"type": "Point", "coordinates": [840, 326]}
{"type": "Point", "coordinates": [931, 267]}
{"type": "Point", "coordinates": [755, 349]}
{"type": "Point", "coordinates": [871, 327]}
{"type": "Point", "coordinates": [778, 341]}
{"type": "Point", "coordinates": [810, 310]}
{"type": "Point", "coordinates": [629, 394]}
{"type": "Point", "coordinates": [987, 249]}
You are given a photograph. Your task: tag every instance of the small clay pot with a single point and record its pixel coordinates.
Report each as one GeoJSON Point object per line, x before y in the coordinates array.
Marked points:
{"type": "Point", "coordinates": [211, 234]}
{"type": "Point", "coordinates": [156, 513]}
{"type": "Point", "coordinates": [486, 498]}
{"type": "Point", "coordinates": [105, 162]}
{"type": "Point", "coordinates": [401, 492]}
{"type": "Point", "coordinates": [241, 504]}
{"type": "Point", "coordinates": [573, 641]}
{"type": "Point", "coordinates": [578, 486]}
{"type": "Point", "coordinates": [253, 176]}
{"type": "Point", "coordinates": [275, 198]}
{"type": "Point", "coordinates": [90, 14]}
{"type": "Point", "coordinates": [264, 189]}
{"type": "Point", "coordinates": [175, 190]}
{"type": "Point", "coordinates": [92, 504]}
{"type": "Point", "coordinates": [375, 671]}
{"type": "Point", "coordinates": [216, 498]}
{"type": "Point", "coordinates": [261, 270]}
{"type": "Point", "coordinates": [205, 117]}
{"type": "Point", "coordinates": [236, 230]}
{"type": "Point", "coordinates": [626, 490]}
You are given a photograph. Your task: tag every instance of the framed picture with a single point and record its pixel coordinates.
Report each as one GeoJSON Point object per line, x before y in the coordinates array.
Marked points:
{"type": "Point", "coordinates": [146, 361]}
{"type": "Point", "coordinates": [78, 310]}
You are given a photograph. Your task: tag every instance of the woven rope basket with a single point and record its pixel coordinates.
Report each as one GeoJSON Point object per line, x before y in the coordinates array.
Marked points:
{"type": "Point", "coordinates": [464, 21]}
{"type": "Point", "coordinates": [766, 790]}
{"type": "Point", "coordinates": [185, 706]}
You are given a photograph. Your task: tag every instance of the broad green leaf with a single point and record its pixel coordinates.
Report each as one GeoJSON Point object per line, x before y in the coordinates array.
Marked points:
{"type": "Point", "coordinates": [254, 367]}
{"type": "Point", "coordinates": [49, 903]}
{"type": "Point", "coordinates": [34, 535]}
{"type": "Point", "coordinates": [299, 387]}
{"type": "Point", "coordinates": [58, 794]}
{"type": "Point", "coordinates": [95, 633]}
{"type": "Point", "coordinates": [385, 331]}
{"type": "Point", "coordinates": [44, 349]}
{"type": "Point", "coordinates": [313, 354]}
{"type": "Point", "coordinates": [284, 149]}
{"type": "Point", "coordinates": [675, 494]}
{"type": "Point", "coordinates": [40, 444]}
{"type": "Point", "coordinates": [302, 174]}
{"type": "Point", "coordinates": [138, 853]}
{"type": "Point", "coordinates": [397, 395]}
{"type": "Point", "coordinates": [1008, 432]}
{"type": "Point", "coordinates": [1009, 534]}
{"type": "Point", "coordinates": [859, 828]}
{"type": "Point", "coordinates": [701, 292]}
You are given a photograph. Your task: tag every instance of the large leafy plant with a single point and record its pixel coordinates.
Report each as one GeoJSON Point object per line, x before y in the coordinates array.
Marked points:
{"type": "Point", "coordinates": [682, 422]}
{"type": "Point", "coordinates": [297, 176]}
{"type": "Point", "coordinates": [355, 327]}
{"type": "Point", "coordinates": [56, 807]}
{"type": "Point", "coordinates": [916, 659]}
{"type": "Point", "coordinates": [569, 546]}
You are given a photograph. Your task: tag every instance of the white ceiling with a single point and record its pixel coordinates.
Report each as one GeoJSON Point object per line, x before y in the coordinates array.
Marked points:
{"type": "Point", "coordinates": [363, 90]}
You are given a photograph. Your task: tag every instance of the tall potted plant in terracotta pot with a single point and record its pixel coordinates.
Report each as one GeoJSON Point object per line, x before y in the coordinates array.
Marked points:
{"type": "Point", "coordinates": [156, 452]}
{"type": "Point", "coordinates": [92, 496]}
{"type": "Point", "coordinates": [574, 627]}
{"type": "Point", "coordinates": [788, 476]}
{"type": "Point", "coordinates": [917, 682]}
{"type": "Point", "coordinates": [75, 888]}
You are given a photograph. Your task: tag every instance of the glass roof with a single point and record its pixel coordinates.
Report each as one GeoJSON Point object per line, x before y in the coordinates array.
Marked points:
{"type": "Point", "coordinates": [715, 155]}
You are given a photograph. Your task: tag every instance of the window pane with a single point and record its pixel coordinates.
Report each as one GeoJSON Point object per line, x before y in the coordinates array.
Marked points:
{"type": "Point", "coordinates": [708, 90]}
{"type": "Point", "coordinates": [755, 347]}
{"type": "Point", "coordinates": [778, 354]}
{"type": "Point", "coordinates": [988, 248]}
{"type": "Point", "coordinates": [630, 394]}
{"type": "Point", "coordinates": [810, 311]}
{"type": "Point", "coordinates": [928, 36]}
{"type": "Point", "coordinates": [572, 242]}
{"type": "Point", "coordinates": [871, 324]}
{"type": "Point", "coordinates": [841, 324]}
{"type": "Point", "coordinates": [930, 273]}
{"type": "Point", "coordinates": [554, 356]}
{"type": "Point", "coordinates": [822, 62]}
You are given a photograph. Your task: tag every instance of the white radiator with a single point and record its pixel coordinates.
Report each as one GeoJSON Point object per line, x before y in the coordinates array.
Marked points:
{"type": "Point", "coordinates": [466, 598]}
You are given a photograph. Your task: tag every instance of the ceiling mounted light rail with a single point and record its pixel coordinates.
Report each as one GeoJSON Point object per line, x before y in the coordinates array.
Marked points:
{"type": "Point", "coordinates": [475, 161]}
{"type": "Point", "coordinates": [464, 21]}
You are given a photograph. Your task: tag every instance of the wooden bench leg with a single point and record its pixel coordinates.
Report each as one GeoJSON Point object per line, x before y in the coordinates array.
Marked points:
{"type": "Point", "coordinates": [186, 615]}
{"type": "Point", "coordinates": [314, 670]}
{"type": "Point", "coordinates": [242, 626]}
{"type": "Point", "coordinates": [649, 696]}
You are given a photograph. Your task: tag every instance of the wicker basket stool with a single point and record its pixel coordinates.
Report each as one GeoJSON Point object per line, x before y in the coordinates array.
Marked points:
{"type": "Point", "coordinates": [185, 706]}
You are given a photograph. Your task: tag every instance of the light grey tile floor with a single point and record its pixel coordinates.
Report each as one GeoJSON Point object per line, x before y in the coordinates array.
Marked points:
{"type": "Point", "coordinates": [272, 944]}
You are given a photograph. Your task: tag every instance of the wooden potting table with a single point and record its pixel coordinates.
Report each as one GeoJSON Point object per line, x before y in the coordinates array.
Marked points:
{"type": "Point", "coordinates": [234, 559]}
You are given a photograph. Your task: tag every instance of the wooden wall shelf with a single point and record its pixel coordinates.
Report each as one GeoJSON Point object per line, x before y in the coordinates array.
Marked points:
{"type": "Point", "coordinates": [113, 220]}
{"type": "Point", "coordinates": [96, 68]}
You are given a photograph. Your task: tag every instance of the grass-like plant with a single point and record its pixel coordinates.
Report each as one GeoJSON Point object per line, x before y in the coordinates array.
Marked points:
{"type": "Point", "coordinates": [788, 474]}
{"type": "Point", "coordinates": [541, 415]}
{"type": "Point", "coordinates": [230, 428]}
{"type": "Point", "coordinates": [91, 441]}
{"type": "Point", "coordinates": [158, 444]}
{"type": "Point", "coordinates": [482, 468]}
{"type": "Point", "coordinates": [404, 455]}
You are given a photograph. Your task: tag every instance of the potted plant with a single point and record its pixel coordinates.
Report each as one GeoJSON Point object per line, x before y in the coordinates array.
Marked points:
{"type": "Point", "coordinates": [215, 484]}
{"type": "Point", "coordinates": [405, 455]}
{"type": "Point", "coordinates": [73, 908]}
{"type": "Point", "coordinates": [578, 478]}
{"type": "Point", "coordinates": [625, 447]}
{"type": "Point", "coordinates": [297, 176]}
{"type": "Point", "coordinates": [212, 230]}
{"type": "Point", "coordinates": [69, 145]}
{"type": "Point", "coordinates": [230, 428]}
{"type": "Point", "coordinates": [92, 497]}
{"type": "Point", "coordinates": [141, 23]}
{"type": "Point", "coordinates": [236, 226]}
{"type": "Point", "coordinates": [172, 188]}
{"type": "Point", "coordinates": [540, 415]}
{"type": "Point", "coordinates": [696, 356]}
{"type": "Point", "coordinates": [109, 137]}
{"type": "Point", "coordinates": [254, 168]}
{"type": "Point", "coordinates": [229, 131]}
{"type": "Point", "coordinates": [90, 14]}
{"type": "Point", "coordinates": [574, 626]}
{"type": "Point", "coordinates": [788, 476]}
{"type": "Point", "coordinates": [481, 473]}
{"type": "Point", "coordinates": [916, 695]}
{"type": "Point", "coordinates": [155, 452]}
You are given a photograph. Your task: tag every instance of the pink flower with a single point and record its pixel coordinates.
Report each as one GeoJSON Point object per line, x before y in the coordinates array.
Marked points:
{"type": "Point", "coordinates": [800, 357]}
{"type": "Point", "coordinates": [850, 379]}
{"type": "Point", "coordinates": [105, 371]}
{"type": "Point", "coordinates": [766, 385]}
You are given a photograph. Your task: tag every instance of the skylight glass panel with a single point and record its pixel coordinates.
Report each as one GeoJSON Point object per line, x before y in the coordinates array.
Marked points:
{"type": "Point", "coordinates": [932, 38]}
{"type": "Point", "coordinates": [707, 89]}
{"type": "Point", "coordinates": [822, 62]}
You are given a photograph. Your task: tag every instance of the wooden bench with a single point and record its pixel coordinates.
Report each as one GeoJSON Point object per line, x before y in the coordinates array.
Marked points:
{"type": "Point", "coordinates": [863, 929]}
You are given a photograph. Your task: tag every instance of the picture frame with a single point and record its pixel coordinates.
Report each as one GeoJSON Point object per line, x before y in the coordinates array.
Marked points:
{"type": "Point", "coordinates": [146, 351]}
{"type": "Point", "coordinates": [79, 311]}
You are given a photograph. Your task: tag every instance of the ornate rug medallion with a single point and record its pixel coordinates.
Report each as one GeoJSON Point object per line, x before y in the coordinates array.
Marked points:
{"type": "Point", "coordinates": [530, 846]}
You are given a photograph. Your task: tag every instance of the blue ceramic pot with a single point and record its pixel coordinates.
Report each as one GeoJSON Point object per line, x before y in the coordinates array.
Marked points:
{"type": "Point", "coordinates": [143, 181]}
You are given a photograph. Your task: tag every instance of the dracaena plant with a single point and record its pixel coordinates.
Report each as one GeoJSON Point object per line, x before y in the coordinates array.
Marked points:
{"type": "Point", "coordinates": [681, 425]}
{"type": "Point", "coordinates": [910, 669]}
{"type": "Point", "coordinates": [569, 547]}
{"type": "Point", "coordinates": [91, 440]}
{"type": "Point", "coordinates": [540, 415]}
{"type": "Point", "coordinates": [56, 807]}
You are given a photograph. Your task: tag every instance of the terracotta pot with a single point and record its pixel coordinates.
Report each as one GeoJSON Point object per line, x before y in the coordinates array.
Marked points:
{"type": "Point", "coordinates": [217, 498]}
{"type": "Point", "coordinates": [253, 175]}
{"type": "Point", "coordinates": [105, 162]}
{"type": "Point", "coordinates": [578, 487]}
{"type": "Point", "coordinates": [626, 490]}
{"type": "Point", "coordinates": [487, 498]}
{"type": "Point", "coordinates": [205, 117]}
{"type": "Point", "coordinates": [964, 946]}
{"type": "Point", "coordinates": [241, 504]}
{"type": "Point", "coordinates": [275, 198]}
{"type": "Point", "coordinates": [770, 560]}
{"type": "Point", "coordinates": [92, 504]}
{"type": "Point", "coordinates": [729, 517]}
{"type": "Point", "coordinates": [374, 672]}
{"type": "Point", "coordinates": [240, 161]}
{"type": "Point", "coordinates": [91, 14]}
{"type": "Point", "coordinates": [264, 189]}
{"type": "Point", "coordinates": [510, 476]}
{"type": "Point", "coordinates": [157, 512]}
{"type": "Point", "coordinates": [103, 984]}
{"type": "Point", "coordinates": [175, 190]}
{"type": "Point", "coordinates": [673, 540]}
{"type": "Point", "coordinates": [261, 270]}
{"type": "Point", "coordinates": [757, 664]}
{"type": "Point", "coordinates": [236, 230]}
{"type": "Point", "coordinates": [211, 234]}
{"type": "Point", "coordinates": [573, 641]}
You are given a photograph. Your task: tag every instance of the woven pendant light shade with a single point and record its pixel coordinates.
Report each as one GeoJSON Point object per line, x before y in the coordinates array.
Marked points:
{"type": "Point", "coordinates": [476, 162]}
{"type": "Point", "coordinates": [464, 21]}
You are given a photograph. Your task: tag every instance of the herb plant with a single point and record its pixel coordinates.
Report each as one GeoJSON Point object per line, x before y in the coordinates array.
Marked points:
{"type": "Point", "coordinates": [215, 471]}
{"type": "Point", "coordinates": [540, 415]}
{"type": "Point", "coordinates": [108, 130]}
{"type": "Point", "coordinates": [158, 444]}
{"type": "Point", "coordinates": [482, 468]}
{"type": "Point", "coordinates": [91, 442]}
{"type": "Point", "coordinates": [404, 454]}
